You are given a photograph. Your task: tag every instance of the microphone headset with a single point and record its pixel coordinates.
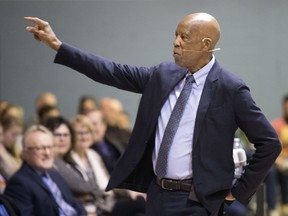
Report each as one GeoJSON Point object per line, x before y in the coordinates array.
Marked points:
{"type": "Point", "coordinates": [216, 49]}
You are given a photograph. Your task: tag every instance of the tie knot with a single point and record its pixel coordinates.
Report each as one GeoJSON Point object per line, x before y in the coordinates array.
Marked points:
{"type": "Point", "coordinates": [45, 176]}
{"type": "Point", "coordinates": [190, 79]}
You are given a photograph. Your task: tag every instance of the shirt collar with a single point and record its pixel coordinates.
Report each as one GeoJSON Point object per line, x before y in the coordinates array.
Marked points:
{"type": "Point", "coordinates": [38, 171]}
{"type": "Point", "coordinates": [200, 75]}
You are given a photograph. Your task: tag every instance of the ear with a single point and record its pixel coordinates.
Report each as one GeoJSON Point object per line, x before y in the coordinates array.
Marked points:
{"type": "Point", "coordinates": [206, 43]}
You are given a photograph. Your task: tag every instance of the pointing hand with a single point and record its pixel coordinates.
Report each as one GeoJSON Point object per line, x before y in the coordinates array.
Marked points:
{"type": "Point", "coordinates": [43, 32]}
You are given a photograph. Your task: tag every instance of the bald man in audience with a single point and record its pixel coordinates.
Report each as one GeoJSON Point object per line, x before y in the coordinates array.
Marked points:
{"type": "Point", "coordinates": [111, 109]}
{"type": "Point", "coordinates": [44, 99]}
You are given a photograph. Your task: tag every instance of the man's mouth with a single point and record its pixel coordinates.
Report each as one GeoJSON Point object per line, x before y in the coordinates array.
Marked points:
{"type": "Point", "coordinates": [176, 53]}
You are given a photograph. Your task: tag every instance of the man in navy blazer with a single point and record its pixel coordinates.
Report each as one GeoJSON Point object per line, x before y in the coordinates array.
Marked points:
{"type": "Point", "coordinates": [200, 163]}
{"type": "Point", "coordinates": [27, 188]}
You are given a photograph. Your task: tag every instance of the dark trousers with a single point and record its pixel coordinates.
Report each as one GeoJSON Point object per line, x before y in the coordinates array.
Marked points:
{"type": "Point", "coordinates": [171, 203]}
{"type": "Point", "coordinates": [283, 181]}
{"type": "Point", "coordinates": [271, 183]}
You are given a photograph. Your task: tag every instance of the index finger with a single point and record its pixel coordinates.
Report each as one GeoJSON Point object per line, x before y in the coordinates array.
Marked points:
{"type": "Point", "coordinates": [36, 20]}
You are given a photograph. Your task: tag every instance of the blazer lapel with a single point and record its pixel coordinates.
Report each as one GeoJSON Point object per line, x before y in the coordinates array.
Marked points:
{"type": "Point", "coordinates": [207, 95]}
{"type": "Point", "coordinates": [36, 178]}
{"type": "Point", "coordinates": [168, 84]}
{"type": "Point", "coordinates": [163, 88]}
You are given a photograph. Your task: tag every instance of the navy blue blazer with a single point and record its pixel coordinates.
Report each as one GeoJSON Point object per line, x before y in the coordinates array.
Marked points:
{"type": "Point", "coordinates": [111, 159]}
{"type": "Point", "coordinates": [33, 197]}
{"type": "Point", "coordinates": [225, 105]}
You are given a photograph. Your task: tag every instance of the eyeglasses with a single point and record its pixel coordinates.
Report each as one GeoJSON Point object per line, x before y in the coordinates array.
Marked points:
{"type": "Point", "coordinates": [83, 133]}
{"type": "Point", "coordinates": [64, 135]}
{"type": "Point", "coordinates": [40, 149]}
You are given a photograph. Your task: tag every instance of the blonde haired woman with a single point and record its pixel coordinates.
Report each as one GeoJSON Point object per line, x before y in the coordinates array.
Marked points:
{"type": "Point", "coordinates": [87, 161]}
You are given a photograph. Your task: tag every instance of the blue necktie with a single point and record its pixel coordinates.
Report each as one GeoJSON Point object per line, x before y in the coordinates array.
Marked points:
{"type": "Point", "coordinates": [172, 126]}
{"type": "Point", "coordinates": [64, 208]}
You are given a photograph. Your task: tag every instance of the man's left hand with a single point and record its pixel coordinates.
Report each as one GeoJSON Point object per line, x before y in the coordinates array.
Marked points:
{"type": "Point", "coordinates": [230, 197]}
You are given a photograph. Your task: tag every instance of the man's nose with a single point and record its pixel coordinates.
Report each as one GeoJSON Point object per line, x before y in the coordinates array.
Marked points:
{"type": "Point", "coordinates": [176, 42]}
{"type": "Point", "coordinates": [47, 151]}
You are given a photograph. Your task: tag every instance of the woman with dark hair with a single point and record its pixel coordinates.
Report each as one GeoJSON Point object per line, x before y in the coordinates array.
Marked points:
{"type": "Point", "coordinates": [46, 112]}
{"type": "Point", "coordinates": [88, 184]}
{"type": "Point", "coordinates": [86, 104]}
{"type": "Point", "coordinates": [82, 189]}
{"type": "Point", "coordinates": [63, 134]}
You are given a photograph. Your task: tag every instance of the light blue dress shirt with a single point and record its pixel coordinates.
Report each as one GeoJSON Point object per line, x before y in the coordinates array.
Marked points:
{"type": "Point", "coordinates": [180, 154]}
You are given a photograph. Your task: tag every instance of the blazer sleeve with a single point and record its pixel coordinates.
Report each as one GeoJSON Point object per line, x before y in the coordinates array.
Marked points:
{"type": "Point", "coordinates": [259, 131]}
{"type": "Point", "coordinates": [104, 71]}
{"type": "Point", "coordinates": [16, 189]}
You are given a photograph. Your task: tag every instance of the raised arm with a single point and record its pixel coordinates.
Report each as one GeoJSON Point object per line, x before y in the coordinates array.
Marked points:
{"type": "Point", "coordinates": [43, 32]}
{"type": "Point", "coordinates": [101, 70]}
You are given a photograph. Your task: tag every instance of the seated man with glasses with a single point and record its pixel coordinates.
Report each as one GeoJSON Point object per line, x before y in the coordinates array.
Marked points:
{"type": "Point", "coordinates": [36, 189]}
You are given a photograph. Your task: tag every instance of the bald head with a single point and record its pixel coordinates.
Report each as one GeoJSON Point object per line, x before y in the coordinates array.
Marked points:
{"type": "Point", "coordinates": [44, 99]}
{"type": "Point", "coordinates": [111, 108]}
{"type": "Point", "coordinates": [196, 37]}
{"type": "Point", "coordinates": [203, 25]}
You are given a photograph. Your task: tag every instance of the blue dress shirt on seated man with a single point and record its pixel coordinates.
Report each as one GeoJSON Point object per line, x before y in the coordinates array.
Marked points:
{"type": "Point", "coordinates": [199, 171]}
{"type": "Point", "coordinates": [35, 188]}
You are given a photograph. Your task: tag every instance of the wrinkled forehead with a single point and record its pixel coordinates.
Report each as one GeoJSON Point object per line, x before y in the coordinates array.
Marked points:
{"type": "Point", "coordinates": [201, 24]}
{"type": "Point", "coordinates": [188, 26]}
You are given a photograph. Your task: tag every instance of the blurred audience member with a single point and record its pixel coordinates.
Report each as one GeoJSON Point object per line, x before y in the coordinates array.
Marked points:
{"type": "Point", "coordinates": [46, 112]}
{"type": "Point", "coordinates": [109, 152]}
{"type": "Point", "coordinates": [3, 105]}
{"type": "Point", "coordinates": [118, 127]}
{"type": "Point", "coordinates": [281, 127]}
{"type": "Point", "coordinates": [86, 160]}
{"type": "Point", "coordinates": [86, 104]}
{"type": "Point", "coordinates": [83, 189]}
{"type": "Point", "coordinates": [123, 121]}
{"type": "Point", "coordinates": [11, 119]}
{"type": "Point", "coordinates": [36, 188]}
{"type": "Point", "coordinates": [111, 109]}
{"type": "Point", "coordinates": [2, 179]}
{"type": "Point", "coordinates": [15, 111]}
{"type": "Point", "coordinates": [63, 134]}
{"type": "Point", "coordinates": [44, 99]}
